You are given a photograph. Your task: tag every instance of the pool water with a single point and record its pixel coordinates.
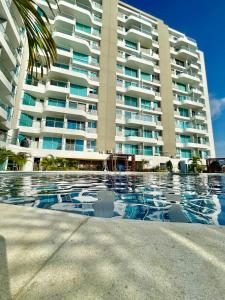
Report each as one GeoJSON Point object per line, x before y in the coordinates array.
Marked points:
{"type": "Point", "coordinates": [147, 197]}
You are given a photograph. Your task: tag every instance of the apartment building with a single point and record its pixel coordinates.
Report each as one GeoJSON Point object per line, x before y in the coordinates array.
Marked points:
{"type": "Point", "coordinates": [11, 49]}
{"type": "Point", "coordinates": [124, 82]}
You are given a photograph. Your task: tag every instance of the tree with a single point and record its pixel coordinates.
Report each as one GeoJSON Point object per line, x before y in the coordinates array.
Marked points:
{"type": "Point", "coordinates": [195, 164]}
{"type": "Point", "coordinates": [38, 33]}
{"type": "Point", "coordinates": [48, 162]}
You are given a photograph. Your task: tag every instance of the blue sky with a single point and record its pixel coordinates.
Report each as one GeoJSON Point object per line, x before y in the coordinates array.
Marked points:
{"type": "Point", "coordinates": [203, 20]}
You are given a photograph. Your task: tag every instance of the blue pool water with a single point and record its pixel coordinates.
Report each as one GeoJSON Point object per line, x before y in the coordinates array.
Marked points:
{"type": "Point", "coordinates": [147, 197]}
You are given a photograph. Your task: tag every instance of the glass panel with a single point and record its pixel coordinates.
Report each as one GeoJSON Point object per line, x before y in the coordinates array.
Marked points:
{"type": "Point", "coordinates": [83, 27]}
{"type": "Point", "coordinates": [29, 100]}
{"type": "Point", "coordinates": [52, 143]}
{"type": "Point", "coordinates": [78, 90]}
{"type": "Point", "coordinates": [56, 102]}
{"type": "Point", "coordinates": [26, 120]}
{"type": "Point", "coordinates": [80, 57]}
{"type": "Point", "coordinates": [131, 101]}
{"type": "Point", "coordinates": [131, 45]}
{"type": "Point", "coordinates": [54, 122]}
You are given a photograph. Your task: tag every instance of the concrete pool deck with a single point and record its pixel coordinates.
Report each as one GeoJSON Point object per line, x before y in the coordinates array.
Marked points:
{"type": "Point", "coordinates": [53, 255]}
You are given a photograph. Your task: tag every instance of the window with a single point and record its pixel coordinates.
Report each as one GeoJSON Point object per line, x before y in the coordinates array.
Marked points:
{"type": "Point", "coordinates": [186, 153]}
{"type": "Point", "coordinates": [183, 112]}
{"type": "Point", "coordinates": [73, 105]}
{"type": "Point", "coordinates": [26, 120]}
{"type": "Point", "coordinates": [148, 150]}
{"type": "Point", "coordinates": [131, 101]}
{"type": "Point", "coordinates": [92, 125]}
{"type": "Point", "coordinates": [131, 132]}
{"type": "Point", "coordinates": [181, 87]}
{"type": "Point", "coordinates": [181, 98]}
{"type": "Point", "coordinates": [131, 45]}
{"type": "Point", "coordinates": [80, 57]}
{"type": "Point", "coordinates": [56, 102]}
{"type": "Point", "coordinates": [145, 104]}
{"type": "Point", "coordinates": [78, 90]}
{"type": "Point", "coordinates": [147, 134]}
{"type": "Point", "coordinates": [29, 100]}
{"type": "Point", "coordinates": [82, 27]}
{"type": "Point", "coordinates": [91, 144]}
{"type": "Point", "coordinates": [54, 122]}
{"type": "Point", "coordinates": [52, 143]}
{"type": "Point", "coordinates": [92, 107]}
{"type": "Point", "coordinates": [146, 76]}
{"type": "Point", "coordinates": [185, 139]}
{"type": "Point", "coordinates": [131, 149]}
{"type": "Point", "coordinates": [72, 124]}
{"type": "Point", "coordinates": [183, 124]}
{"type": "Point", "coordinates": [131, 72]}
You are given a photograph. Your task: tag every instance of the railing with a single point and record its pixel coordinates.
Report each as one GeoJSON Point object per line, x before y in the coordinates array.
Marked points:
{"type": "Point", "coordinates": [63, 84]}
{"type": "Point", "coordinates": [140, 29]}
{"type": "Point", "coordinates": [186, 48]}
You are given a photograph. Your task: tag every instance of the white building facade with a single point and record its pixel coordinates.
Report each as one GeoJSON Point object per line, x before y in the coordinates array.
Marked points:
{"type": "Point", "coordinates": [124, 82]}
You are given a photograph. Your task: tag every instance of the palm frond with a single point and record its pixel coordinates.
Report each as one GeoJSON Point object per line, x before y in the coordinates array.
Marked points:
{"type": "Point", "coordinates": [38, 32]}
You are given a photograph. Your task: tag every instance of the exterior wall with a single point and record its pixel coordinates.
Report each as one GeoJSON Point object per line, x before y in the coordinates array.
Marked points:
{"type": "Point", "coordinates": [107, 89]}
{"type": "Point", "coordinates": [169, 138]}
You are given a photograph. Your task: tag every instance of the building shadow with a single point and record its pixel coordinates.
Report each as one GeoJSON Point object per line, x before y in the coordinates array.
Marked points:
{"type": "Point", "coordinates": [4, 273]}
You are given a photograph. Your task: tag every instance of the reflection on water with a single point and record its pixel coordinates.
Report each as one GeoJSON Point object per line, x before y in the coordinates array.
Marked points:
{"type": "Point", "coordinates": [149, 197]}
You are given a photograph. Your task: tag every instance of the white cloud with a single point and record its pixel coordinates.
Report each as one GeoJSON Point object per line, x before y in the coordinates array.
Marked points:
{"type": "Point", "coordinates": [217, 107]}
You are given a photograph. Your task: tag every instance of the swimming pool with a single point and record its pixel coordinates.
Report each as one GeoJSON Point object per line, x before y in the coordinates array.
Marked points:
{"type": "Point", "coordinates": [147, 197]}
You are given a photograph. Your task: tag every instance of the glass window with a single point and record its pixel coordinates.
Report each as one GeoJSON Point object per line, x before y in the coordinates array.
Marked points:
{"type": "Point", "coordinates": [185, 139]}
{"type": "Point", "coordinates": [26, 120]}
{"type": "Point", "coordinates": [78, 90]}
{"type": "Point", "coordinates": [54, 122]}
{"type": "Point", "coordinates": [131, 72]}
{"type": "Point", "coordinates": [186, 153]}
{"type": "Point", "coordinates": [92, 125]}
{"type": "Point", "coordinates": [80, 57]}
{"type": "Point", "coordinates": [147, 134]}
{"type": "Point", "coordinates": [148, 150]}
{"type": "Point", "coordinates": [29, 100]}
{"type": "Point", "coordinates": [181, 87]}
{"type": "Point", "coordinates": [82, 27]}
{"type": "Point", "coordinates": [131, 149]}
{"type": "Point", "coordinates": [91, 144]}
{"type": "Point", "coordinates": [56, 102]}
{"type": "Point", "coordinates": [72, 124]}
{"type": "Point", "coordinates": [52, 143]}
{"type": "Point", "coordinates": [183, 112]}
{"type": "Point", "coordinates": [131, 132]}
{"type": "Point", "coordinates": [131, 101]}
{"type": "Point", "coordinates": [145, 104]}
{"type": "Point", "coordinates": [146, 76]}
{"type": "Point", "coordinates": [131, 45]}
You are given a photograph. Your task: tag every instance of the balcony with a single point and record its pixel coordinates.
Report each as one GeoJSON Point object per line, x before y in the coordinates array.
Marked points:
{"type": "Point", "coordinates": [138, 61]}
{"type": "Point", "coordinates": [185, 41]}
{"type": "Point", "coordinates": [8, 52]}
{"type": "Point", "coordinates": [80, 10]}
{"type": "Point", "coordinates": [71, 110]}
{"type": "Point", "coordinates": [70, 38]}
{"type": "Point", "coordinates": [189, 103]}
{"type": "Point", "coordinates": [186, 77]}
{"type": "Point", "coordinates": [137, 90]}
{"type": "Point", "coordinates": [5, 82]}
{"type": "Point", "coordinates": [196, 130]}
{"type": "Point", "coordinates": [3, 114]}
{"type": "Point", "coordinates": [186, 53]}
{"type": "Point", "coordinates": [35, 87]}
{"type": "Point", "coordinates": [143, 120]}
{"type": "Point", "coordinates": [192, 145]}
{"type": "Point", "coordinates": [55, 88]}
{"type": "Point", "coordinates": [138, 34]}
{"type": "Point", "coordinates": [69, 72]}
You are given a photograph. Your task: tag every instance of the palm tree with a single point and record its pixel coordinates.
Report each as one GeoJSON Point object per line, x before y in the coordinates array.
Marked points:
{"type": "Point", "coordinates": [48, 162]}
{"type": "Point", "coordinates": [20, 159]}
{"type": "Point", "coordinates": [38, 33]}
{"type": "Point", "coordinates": [195, 164]}
{"type": "Point", "coordinates": [4, 155]}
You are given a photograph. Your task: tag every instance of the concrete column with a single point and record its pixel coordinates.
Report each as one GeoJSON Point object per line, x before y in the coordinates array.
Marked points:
{"type": "Point", "coordinates": [28, 167]}
{"type": "Point", "coordinates": [107, 90]}
{"type": "Point", "coordinates": [167, 106]}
